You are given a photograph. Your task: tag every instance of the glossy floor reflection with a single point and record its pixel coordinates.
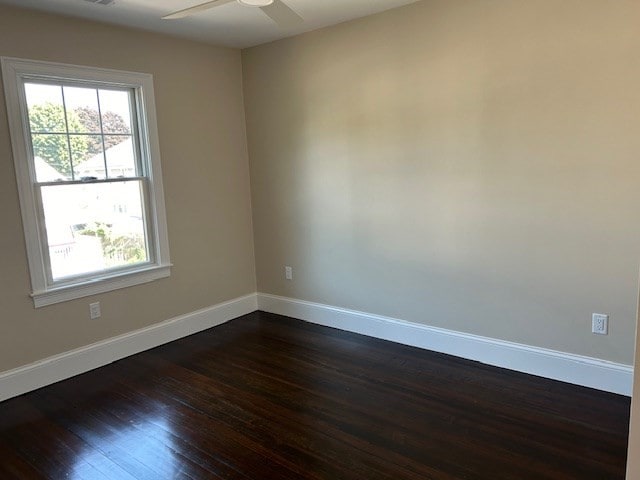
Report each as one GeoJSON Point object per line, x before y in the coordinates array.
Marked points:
{"type": "Point", "coordinates": [147, 443]}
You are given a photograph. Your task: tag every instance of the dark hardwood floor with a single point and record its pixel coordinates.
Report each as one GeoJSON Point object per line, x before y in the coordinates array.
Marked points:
{"type": "Point", "coordinates": [269, 397]}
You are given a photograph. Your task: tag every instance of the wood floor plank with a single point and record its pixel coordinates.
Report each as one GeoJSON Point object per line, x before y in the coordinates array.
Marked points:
{"type": "Point", "coordinates": [12, 465]}
{"type": "Point", "coordinates": [270, 397]}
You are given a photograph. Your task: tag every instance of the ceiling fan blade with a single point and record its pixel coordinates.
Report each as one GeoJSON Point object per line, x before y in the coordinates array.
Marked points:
{"type": "Point", "coordinates": [282, 14]}
{"type": "Point", "coordinates": [195, 9]}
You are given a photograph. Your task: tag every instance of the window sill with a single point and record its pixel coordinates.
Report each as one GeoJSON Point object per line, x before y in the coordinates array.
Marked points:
{"type": "Point", "coordinates": [102, 285]}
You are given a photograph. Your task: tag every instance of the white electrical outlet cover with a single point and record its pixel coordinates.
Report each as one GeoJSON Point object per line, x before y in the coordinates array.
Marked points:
{"type": "Point", "coordinates": [94, 310]}
{"type": "Point", "coordinates": [600, 324]}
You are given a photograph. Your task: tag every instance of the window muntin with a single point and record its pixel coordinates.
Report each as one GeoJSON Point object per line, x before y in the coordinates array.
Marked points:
{"type": "Point", "coordinates": [87, 163]}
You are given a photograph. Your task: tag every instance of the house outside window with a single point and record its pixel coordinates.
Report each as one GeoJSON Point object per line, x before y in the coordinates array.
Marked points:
{"type": "Point", "coordinates": [87, 161]}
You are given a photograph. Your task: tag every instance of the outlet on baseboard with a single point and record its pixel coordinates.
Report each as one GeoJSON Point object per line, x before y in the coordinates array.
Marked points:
{"type": "Point", "coordinates": [288, 273]}
{"type": "Point", "coordinates": [600, 323]}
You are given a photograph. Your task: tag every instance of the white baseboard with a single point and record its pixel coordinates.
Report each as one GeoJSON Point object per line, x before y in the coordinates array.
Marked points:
{"type": "Point", "coordinates": [575, 369]}
{"type": "Point", "coordinates": [59, 367]}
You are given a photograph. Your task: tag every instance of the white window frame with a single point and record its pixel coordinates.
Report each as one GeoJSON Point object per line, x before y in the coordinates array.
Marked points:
{"type": "Point", "coordinates": [15, 72]}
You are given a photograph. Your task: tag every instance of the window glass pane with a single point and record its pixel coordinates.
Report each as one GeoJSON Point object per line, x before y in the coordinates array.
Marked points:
{"type": "Point", "coordinates": [88, 157]}
{"type": "Point", "coordinates": [46, 110]}
{"type": "Point", "coordinates": [82, 110]}
{"type": "Point", "coordinates": [51, 157]}
{"type": "Point", "coordinates": [116, 111]}
{"type": "Point", "coordinates": [94, 227]}
{"type": "Point", "coordinates": [121, 159]}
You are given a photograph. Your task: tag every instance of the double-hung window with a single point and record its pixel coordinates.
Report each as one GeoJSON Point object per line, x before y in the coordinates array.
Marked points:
{"type": "Point", "coordinates": [87, 164]}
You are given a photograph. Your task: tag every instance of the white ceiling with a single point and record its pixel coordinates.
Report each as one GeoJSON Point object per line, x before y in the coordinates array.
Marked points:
{"type": "Point", "coordinates": [231, 24]}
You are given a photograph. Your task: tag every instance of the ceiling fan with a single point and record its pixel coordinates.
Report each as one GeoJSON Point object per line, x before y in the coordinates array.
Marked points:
{"type": "Point", "coordinates": [276, 10]}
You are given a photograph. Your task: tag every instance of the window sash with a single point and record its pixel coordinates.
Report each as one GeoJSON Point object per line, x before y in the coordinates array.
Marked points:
{"type": "Point", "coordinates": [136, 109]}
{"type": "Point", "coordinates": [147, 221]}
{"type": "Point", "coordinates": [139, 162]}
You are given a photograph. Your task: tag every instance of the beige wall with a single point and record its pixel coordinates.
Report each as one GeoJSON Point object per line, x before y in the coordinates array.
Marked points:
{"type": "Point", "coordinates": [468, 165]}
{"type": "Point", "coordinates": [203, 147]}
